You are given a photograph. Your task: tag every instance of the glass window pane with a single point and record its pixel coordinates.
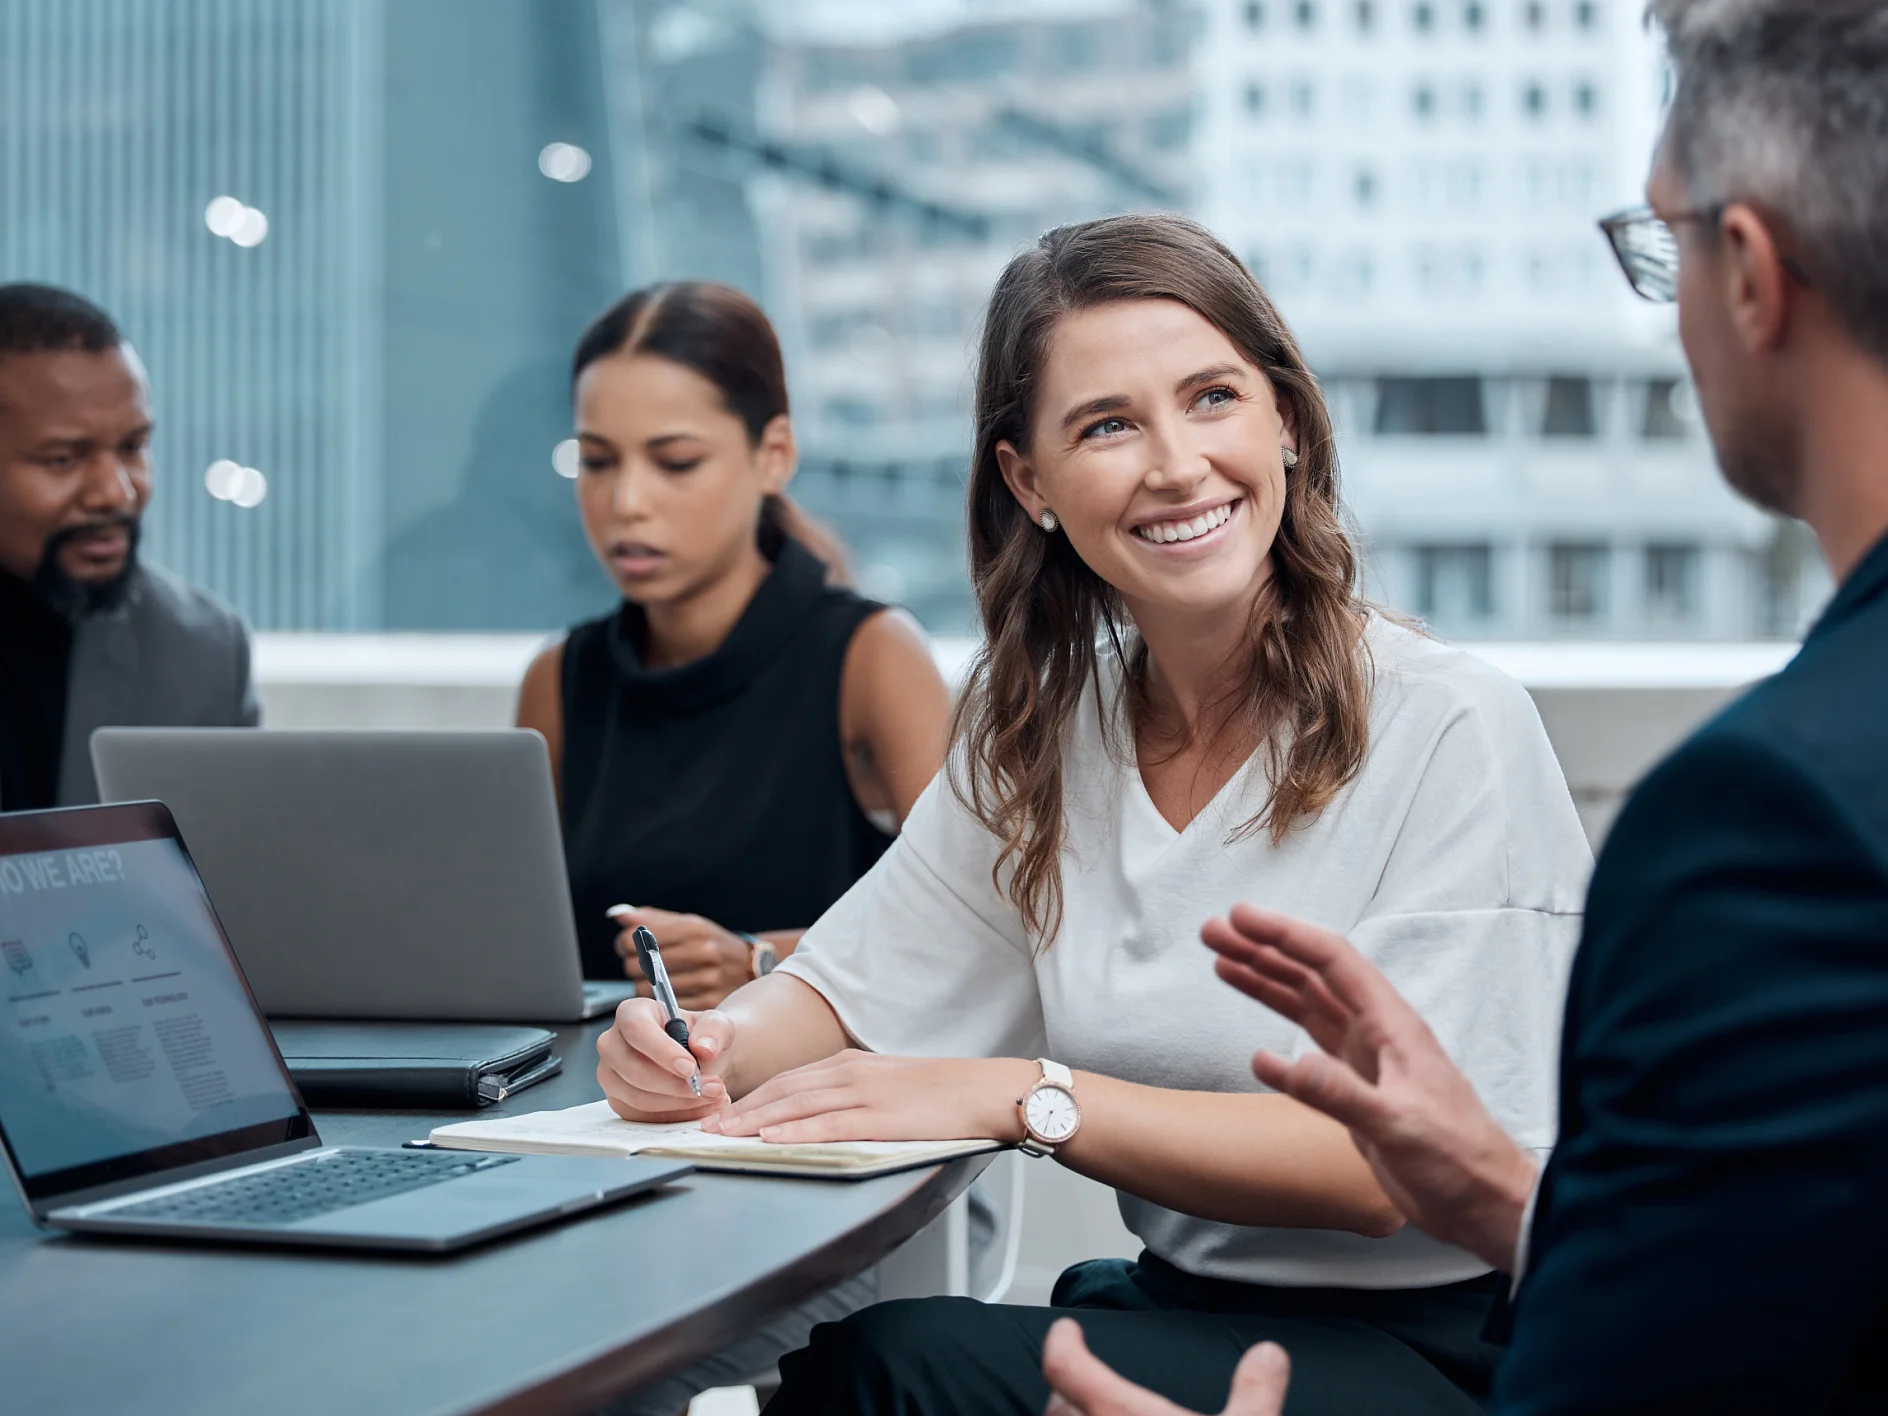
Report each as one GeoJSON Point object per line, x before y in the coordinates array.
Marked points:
{"type": "Point", "coordinates": [1455, 584]}
{"type": "Point", "coordinates": [1430, 407]}
{"type": "Point", "coordinates": [1569, 409]}
{"type": "Point", "coordinates": [1666, 413]}
{"type": "Point", "coordinates": [1577, 575]}
{"type": "Point", "coordinates": [1671, 582]}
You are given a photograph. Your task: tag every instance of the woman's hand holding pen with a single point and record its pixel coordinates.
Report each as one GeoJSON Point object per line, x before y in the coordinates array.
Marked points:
{"type": "Point", "coordinates": [645, 1073]}
{"type": "Point", "coordinates": [706, 963]}
{"type": "Point", "coordinates": [862, 1096]}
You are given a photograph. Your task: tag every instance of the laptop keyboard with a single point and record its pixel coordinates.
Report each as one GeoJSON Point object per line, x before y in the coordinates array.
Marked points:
{"type": "Point", "coordinates": [322, 1184]}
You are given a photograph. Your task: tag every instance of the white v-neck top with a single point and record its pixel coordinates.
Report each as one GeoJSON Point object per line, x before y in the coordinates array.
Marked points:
{"type": "Point", "coordinates": [1454, 860]}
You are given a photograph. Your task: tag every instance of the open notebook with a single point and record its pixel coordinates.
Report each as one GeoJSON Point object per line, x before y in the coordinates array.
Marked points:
{"type": "Point", "coordinates": [596, 1130]}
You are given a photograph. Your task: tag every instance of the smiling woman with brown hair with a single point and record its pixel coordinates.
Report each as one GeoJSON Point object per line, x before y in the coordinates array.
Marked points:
{"type": "Point", "coordinates": [1182, 701]}
{"type": "Point", "coordinates": [1294, 682]}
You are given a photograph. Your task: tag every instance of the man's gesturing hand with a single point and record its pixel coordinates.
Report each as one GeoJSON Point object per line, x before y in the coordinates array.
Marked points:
{"type": "Point", "coordinates": [1084, 1385]}
{"type": "Point", "coordinates": [1441, 1158]}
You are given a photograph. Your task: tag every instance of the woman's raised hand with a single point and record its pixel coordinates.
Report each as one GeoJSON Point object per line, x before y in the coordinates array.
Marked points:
{"type": "Point", "coordinates": [861, 1096]}
{"type": "Point", "coordinates": [644, 1072]}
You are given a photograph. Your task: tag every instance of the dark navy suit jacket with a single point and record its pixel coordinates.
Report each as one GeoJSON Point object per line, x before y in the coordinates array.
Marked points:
{"type": "Point", "coordinates": [1712, 1230]}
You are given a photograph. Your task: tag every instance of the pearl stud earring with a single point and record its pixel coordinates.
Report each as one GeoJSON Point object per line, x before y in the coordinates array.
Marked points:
{"type": "Point", "coordinates": [1048, 521]}
{"type": "Point", "coordinates": [1291, 458]}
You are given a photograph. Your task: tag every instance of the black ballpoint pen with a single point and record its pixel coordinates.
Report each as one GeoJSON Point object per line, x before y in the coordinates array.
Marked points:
{"type": "Point", "coordinates": [649, 955]}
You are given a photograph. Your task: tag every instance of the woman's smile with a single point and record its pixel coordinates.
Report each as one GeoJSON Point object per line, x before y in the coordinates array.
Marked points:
{"type": "Point", "coordinates": [1191, 528]}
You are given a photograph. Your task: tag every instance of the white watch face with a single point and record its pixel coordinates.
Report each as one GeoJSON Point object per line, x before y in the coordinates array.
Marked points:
{"type": "Point", "coordinates": [1051, 1114]}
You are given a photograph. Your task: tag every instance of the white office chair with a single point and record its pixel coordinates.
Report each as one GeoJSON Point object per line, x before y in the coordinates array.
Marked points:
{"type": "Point", "coordinates": [937, 1260]}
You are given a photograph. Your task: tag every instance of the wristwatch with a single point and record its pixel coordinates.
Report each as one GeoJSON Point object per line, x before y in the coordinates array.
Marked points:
{"type": "Point", "coordinates": [762, 957]}
{"type": "Point", "coordinates": [1050, 1114]}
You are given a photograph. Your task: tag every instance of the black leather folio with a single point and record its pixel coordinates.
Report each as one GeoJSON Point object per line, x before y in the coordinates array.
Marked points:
{"type": "Point", "coordinates": [413, 1064]}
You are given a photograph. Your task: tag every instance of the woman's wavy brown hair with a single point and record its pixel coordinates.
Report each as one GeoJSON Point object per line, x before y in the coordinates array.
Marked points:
{"type": "Point", "coordinates": [1307, 688]}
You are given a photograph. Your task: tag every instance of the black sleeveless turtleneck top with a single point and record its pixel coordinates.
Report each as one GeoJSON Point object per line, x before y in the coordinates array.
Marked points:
{"type": "Point", "coordinates": [717, 788]}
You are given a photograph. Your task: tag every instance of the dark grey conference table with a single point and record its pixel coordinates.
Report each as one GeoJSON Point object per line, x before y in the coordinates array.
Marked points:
{"type": "Point", "coordinates": [556, 1320]}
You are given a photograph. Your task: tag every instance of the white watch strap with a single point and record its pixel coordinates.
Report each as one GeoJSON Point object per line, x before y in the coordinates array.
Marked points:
{"type": "Point", "coordinates": [1057, 1073]}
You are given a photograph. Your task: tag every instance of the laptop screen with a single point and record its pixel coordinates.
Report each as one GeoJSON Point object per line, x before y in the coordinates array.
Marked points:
{"type": "Point", "coordinates": [130, 1042]}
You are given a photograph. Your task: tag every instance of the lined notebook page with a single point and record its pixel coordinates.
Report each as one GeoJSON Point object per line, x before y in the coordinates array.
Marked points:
{"type": "Point", "coordinates": [596, 1130]}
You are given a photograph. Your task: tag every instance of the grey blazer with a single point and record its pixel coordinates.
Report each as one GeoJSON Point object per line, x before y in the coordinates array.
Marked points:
{"type": "Point", "coordinates": [170, 656]}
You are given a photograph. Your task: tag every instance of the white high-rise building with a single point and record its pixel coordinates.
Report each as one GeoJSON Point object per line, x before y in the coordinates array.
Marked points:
{"type": "Point", "coordinates": [1416, 182]}
{"type": "Point", "coordinates": [916, 149]}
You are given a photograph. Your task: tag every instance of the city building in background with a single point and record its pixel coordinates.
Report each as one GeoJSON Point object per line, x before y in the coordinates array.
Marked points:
{"type": "Point", "coordinates": [209, 173]}
{"type": "Point", "coordinates": [972, 128]}
{"type": "Point", "coordinates": [355, 241]}
{"type": "Point", "coordinates": [1416, 182]}
{"type": "Point", "coordinates": [333, 233]}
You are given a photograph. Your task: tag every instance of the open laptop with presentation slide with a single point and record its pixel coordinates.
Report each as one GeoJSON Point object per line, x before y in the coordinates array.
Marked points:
{"type": "Point", "coordinates": [375, 874]}
{"type": "Point", "coordinates": [141, 1093]}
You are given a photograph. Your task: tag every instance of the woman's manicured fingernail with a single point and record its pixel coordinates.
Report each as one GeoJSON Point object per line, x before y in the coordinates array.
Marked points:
{"type": "Point", "coordinates": [684, 1066]}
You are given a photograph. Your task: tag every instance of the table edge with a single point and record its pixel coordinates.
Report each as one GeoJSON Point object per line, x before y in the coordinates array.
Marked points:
{"type": "Point", "coordinates": [654, 1354]}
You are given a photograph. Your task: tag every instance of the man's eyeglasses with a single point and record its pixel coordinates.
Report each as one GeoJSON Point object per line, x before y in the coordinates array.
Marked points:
{"type": "Point", "coordinates": [1647, 251]}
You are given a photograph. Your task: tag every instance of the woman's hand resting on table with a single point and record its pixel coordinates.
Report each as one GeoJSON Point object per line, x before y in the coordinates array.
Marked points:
{"type": "Point", "coordinates": [850, 1096]}
{"type": "Point", "coordinates": [862, 1096]}
{"type": "Point", "coordinates": [705, 962]}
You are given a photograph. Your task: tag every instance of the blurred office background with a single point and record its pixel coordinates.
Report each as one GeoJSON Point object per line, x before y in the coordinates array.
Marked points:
{"type": "Point", "coordinates": [355, 240]}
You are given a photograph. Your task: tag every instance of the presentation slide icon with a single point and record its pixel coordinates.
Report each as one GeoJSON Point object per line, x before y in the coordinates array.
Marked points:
{"type": "Point", "coordinates": [141, 944]}
{"type": "Point", "coordinates": [77, 941]}
{"type": "Point", "coordinates": [17, 958]}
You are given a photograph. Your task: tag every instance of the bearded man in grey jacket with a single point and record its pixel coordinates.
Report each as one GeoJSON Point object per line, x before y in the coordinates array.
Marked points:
{"type": "Point", "coordinates": [90, 636]}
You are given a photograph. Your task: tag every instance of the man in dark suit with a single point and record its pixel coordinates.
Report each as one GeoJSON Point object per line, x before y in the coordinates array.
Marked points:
{"type": "Point", "coordinates": [1711, 1233]}
{"type": "Point", "coordinates": [89, 635]}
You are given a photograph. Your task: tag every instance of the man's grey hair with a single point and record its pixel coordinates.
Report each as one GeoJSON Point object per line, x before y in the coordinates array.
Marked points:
{"type": "Point", "coordinates": [1784, 104]}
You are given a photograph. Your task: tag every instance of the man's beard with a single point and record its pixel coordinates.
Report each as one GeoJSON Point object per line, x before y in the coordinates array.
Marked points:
{"type": "Point", "coordinates": [78, 599]}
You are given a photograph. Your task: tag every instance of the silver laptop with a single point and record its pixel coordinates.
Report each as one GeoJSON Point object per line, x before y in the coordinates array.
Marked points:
{"type": "Point", "coordinates": [141, 1093]}
{"type": "Point", "coordinates": [375, 874]}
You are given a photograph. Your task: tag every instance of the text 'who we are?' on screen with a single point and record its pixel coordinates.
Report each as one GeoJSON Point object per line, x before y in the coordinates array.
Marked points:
{"type": "Point", "coordinates": [126, 1025]}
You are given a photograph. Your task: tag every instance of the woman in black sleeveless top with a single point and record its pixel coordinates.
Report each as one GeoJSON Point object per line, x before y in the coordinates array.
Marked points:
{"type": "Point", "coordinates": [733, 743]}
